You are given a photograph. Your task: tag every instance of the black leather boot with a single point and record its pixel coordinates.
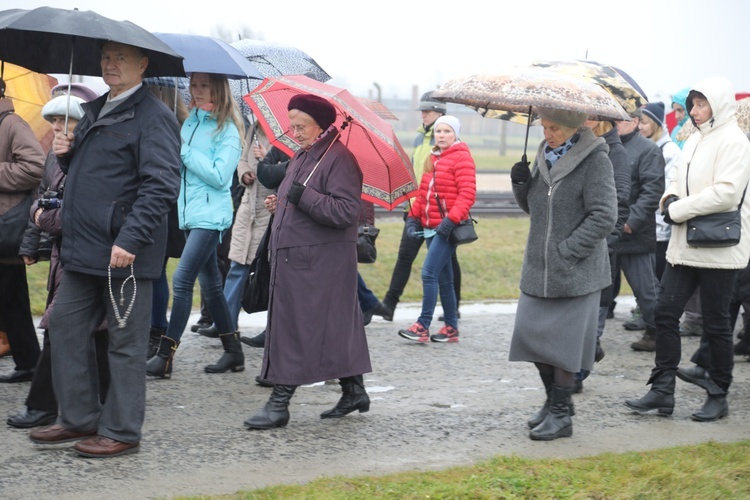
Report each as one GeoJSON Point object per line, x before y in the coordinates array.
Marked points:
{"type": "Point", "coordinates": [557, 422]}
{"type": "Point", "coordinates": [257, 341]}
{"type": "Point", "coordinates": [232, 358]}
{"type": "Point", "coordinates": [160, 365]}
{"type": "Point", "coordinates": [660, 399]}
{"type": "Point", "coordinates": [548, 381]}
{"type": "Point", "coordinates": [696, 375]}
{"type": "Point", "coordinates": [276, 411]}
{"type": "Point", "coordinates": [714, 408]}
{"type": "Point", "coordinates": [354, 397]}
{"type": "Point", "coordinates": [154, 338]}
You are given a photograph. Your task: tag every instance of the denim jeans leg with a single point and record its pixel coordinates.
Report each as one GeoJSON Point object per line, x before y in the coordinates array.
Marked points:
{"type": "Point", "coordinates": [211, 282]}
{"type": "Point", "coordinates": [234, 286]}
{"type": "Point", "coordinates": [367, 299]}
{"type": "Point", "coordinates": [200, 247]}
{"type": "Point", "coordinates": [439, 253]}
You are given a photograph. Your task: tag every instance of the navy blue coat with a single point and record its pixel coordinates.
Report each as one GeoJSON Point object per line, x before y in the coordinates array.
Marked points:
{"type": "Point", "coordinates": [123, 178]}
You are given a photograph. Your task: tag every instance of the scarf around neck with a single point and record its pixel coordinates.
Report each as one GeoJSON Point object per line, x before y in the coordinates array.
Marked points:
{"type": "Point", "coordinates": [552, 155]}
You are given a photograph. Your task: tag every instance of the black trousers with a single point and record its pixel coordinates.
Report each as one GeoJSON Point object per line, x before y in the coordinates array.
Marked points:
{"type": "Point", "coordinates": [42, 394]}
{"type": "Point", "coordinates": [407, 253]}
{"type": "Point", "coordinates": [15, 314]}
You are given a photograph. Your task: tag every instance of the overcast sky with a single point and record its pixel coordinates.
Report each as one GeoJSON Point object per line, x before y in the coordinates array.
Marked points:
{"type": "Point", "coordinates": [664, 45]}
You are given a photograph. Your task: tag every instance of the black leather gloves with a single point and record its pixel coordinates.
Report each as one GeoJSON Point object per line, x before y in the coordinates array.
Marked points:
{"type": "Point", "coordinates": [665, 212]}
{"type": "Point", "coordinates": [295, 192]}
{"type": "Point", "coordinates": [520, 172]}
{"type": "Point", "coordinates": [413, 228]}
{"type": "Point", "coordinates": [445, 227]}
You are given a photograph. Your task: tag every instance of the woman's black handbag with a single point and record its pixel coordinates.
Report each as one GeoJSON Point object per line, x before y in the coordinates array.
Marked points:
{"type": "Point", "coordinates": [464, 232]}
{"type": "Point", "coordinates": [257, 287]}
{"type": "Point", "coordinates": [367, 253]}
{"type": "Point", "coordinates": [717, 230]}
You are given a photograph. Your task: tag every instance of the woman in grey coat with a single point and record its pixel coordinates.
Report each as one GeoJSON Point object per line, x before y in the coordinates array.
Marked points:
{"type": "Point", "coordinates": [570, 195]}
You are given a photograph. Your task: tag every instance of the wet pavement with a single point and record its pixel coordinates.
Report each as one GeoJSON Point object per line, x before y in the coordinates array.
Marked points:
{"type": "Point", "coordinates": [433, 406]}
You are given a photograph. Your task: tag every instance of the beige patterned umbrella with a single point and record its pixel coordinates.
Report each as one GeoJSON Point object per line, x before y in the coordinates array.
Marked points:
{"type": "Point", "coordinates": [743, 120]}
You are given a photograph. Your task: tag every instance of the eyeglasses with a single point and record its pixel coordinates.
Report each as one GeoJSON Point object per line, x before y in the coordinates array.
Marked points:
{"type": "Point", "coordinates": [296, 129]}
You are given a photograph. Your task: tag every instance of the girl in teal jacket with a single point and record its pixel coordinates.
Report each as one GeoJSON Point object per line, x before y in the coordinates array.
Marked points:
{"type": "Point", "coordinates": [211, 147]}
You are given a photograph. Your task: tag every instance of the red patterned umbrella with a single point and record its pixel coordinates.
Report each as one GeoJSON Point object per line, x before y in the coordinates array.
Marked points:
{"type": "Point", "coordinates": [386, 168]}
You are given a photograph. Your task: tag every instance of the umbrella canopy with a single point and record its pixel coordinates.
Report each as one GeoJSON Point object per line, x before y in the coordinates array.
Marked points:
{"type": "Point", "coordinates": [278, 60]}
{"type": "Point", "coordinates": [629, 95]}
{"type": "Point", "coordinates": [386, 168]}
{"type": "Point", "coordinates": [379, 108]}
{"type": "Point", "coordinates": [512, 94]}
{"type": "Point", "coordinates": [50, 40]}
{"type": "Point", "coordinates": [205, 54]}
{"type": "Point", "coordinates": [743, 120]}
{"type": "Point", "coordinates": [29, 92]}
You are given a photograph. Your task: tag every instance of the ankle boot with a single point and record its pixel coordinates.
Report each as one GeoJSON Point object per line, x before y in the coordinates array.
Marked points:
{"type": "Point", "coordinates": [276, 411]}
{"type": "Point", "coordinates": [539, 416]}
{"type": "Point", "coordinates": [4, 345]}
{"type": "Point", "coordinates": [647, 343]}
{"type": "Point", "coordinates": [232, 358]}
{"type": "Point", "coordinates": [714, 408]}
{"type": "Point", "coordinates": [154, 338]}
{"type": "Point", "coordinates": [160, 365]}
{"type": "Point", "coordinates": [660, 398]}
{"type": "Point", "coordinates": [354, 397]}
{"type": "Point", "coordinates": [557, 423]}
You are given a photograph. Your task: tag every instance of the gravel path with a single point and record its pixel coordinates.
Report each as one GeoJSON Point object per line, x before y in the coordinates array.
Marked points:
{"type": "Point", "coordinates": [433, 406]}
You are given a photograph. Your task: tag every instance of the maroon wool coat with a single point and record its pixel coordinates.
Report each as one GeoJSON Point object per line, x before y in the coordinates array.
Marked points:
{"type": "Point", "coordinates": [315, 329]}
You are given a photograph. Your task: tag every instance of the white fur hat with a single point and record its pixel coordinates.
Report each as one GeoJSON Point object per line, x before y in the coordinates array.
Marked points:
{"type": "Point", "coordinates": [58, 105]}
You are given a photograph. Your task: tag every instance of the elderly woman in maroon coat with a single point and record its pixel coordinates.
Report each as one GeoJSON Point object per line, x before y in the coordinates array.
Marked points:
{"type": "Point", "coordinates": [315, 329]}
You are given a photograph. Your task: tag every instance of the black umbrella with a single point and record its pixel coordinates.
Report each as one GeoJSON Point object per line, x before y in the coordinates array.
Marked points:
{"type": "Point", "coordinates": [50, 40]}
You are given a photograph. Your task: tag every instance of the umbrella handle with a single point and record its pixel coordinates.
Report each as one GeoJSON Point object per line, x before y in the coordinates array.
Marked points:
{"type": "Point", "coordinates": [526, 142]}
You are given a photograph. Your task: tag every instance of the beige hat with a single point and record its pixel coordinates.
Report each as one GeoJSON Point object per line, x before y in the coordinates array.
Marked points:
{"type": "Point", "coordinates": [563, 117]}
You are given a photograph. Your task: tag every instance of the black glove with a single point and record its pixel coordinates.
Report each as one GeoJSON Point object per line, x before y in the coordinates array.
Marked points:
{"type": "Point", "coordinates": [295, 192]}
{"type": "Point", "coordinates": [445, 227]}
{"type": "Point", "coordinates": [520, 172]}
{"type": "Point", "coordinates": [413, 228]}
{"type": "Point", "coordinates": [665, 212]}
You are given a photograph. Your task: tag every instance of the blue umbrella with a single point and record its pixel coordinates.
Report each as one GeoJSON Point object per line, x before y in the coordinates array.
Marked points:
{"type": "Point", "coordinates": [205, 54]}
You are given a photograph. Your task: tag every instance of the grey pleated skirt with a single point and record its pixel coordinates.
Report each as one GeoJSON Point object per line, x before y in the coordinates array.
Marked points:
{"type": "Point", "coordinates": [558, 332]}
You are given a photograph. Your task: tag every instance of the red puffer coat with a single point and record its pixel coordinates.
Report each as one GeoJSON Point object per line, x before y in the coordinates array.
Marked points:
{"type": "Point", "coordinates": [453, 177]}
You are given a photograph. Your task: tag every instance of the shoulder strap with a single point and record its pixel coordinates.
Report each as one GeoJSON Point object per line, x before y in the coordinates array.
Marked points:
{"type": "Point", "coordinates": [687, 188]}
{"type": "Point", "coordinates": [4, 115]}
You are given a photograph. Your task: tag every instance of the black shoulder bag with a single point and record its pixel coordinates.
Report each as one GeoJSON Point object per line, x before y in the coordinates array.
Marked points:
{"type": "Point", "coordinates": [464, 232]}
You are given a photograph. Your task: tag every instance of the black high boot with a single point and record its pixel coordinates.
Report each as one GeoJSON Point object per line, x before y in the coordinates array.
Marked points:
{"type": "Point", "coordinates": [548, 381]}
{"type": "Point", "coordinates": [660, 398]}
{"type": "Point", "coordinates": [715, 406]}
{"type": "Point", "coordinates": [275, 413]}
{"type": "Point", "coordinates": [354, 397]}
{"type": "Point", "coordinates": [160, 365]}
{"type": "Point", "coordinates": [232, 358]}
{"type": "Point", "coordinates": [557, 423]}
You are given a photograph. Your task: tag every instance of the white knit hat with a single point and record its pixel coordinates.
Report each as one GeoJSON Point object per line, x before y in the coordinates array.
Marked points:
{"type": "Point", "coordinates": [58, 105]}
{"type": "Point", "coordinates": [451, 121]}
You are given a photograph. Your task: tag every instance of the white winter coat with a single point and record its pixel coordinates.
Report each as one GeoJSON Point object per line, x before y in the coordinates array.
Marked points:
{"type": "Point", "coordinates": [718, 155]}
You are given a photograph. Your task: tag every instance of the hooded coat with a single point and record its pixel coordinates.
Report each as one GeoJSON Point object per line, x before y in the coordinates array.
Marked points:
{"type": "Point", "coordinates": [680, 98]}
{"type": "Point", "coordinates": [573, 208]}
{"type": "Point", "coordinates": [718, 156]}
{"type": "Point", "coordinates": [315, 328]}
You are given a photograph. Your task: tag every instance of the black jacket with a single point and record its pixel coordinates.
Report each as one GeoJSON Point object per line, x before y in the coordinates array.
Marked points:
{"type": "Point", "coordinates": [123, 177]}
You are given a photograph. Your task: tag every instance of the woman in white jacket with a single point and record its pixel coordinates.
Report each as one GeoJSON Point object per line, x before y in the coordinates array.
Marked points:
{"type": "Point", "coordinates": [711, 176]}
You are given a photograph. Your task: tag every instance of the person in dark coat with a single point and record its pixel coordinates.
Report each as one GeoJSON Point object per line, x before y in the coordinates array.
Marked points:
{"type": "Point", "coordinates": [315, 336]}
{"type": "Point", "coordinates": [122, 164]}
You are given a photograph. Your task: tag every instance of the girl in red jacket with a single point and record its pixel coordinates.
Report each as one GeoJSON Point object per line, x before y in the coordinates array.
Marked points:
{"type": "Point", "coordinates": [446, 193]}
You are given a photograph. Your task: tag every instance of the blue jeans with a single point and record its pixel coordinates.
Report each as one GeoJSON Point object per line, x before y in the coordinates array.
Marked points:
{"type": "Point", "coordinates": [367, 299]}
{"type": "Point", "coordinates": [437, 276]}
{"type": "Point", "coordinates": [716, 290]}
{"type": "Point", "coordinates": [198, 261]}
{"type": "Point", "coordinates": [234, 287]}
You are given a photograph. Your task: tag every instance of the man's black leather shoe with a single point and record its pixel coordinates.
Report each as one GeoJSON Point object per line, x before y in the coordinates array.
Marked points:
{"type": "Point", "coordinates": [29, 417]}
{"type": "Point", "coordinates": [14, 376]}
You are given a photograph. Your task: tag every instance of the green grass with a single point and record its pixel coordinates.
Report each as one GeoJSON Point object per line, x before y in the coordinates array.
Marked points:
{"type": "Point", "coordinates": [706, 471]}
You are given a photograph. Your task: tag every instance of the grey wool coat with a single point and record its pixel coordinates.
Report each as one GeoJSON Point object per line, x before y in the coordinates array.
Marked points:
{"type": "Point", "coordinates": [573, 208]}
{"type": "Point", "coordinates": [315, 328]}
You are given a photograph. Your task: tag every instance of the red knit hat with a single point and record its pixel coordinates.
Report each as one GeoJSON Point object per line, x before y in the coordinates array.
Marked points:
{"type": "Point", "coordinates": [319, 108]}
